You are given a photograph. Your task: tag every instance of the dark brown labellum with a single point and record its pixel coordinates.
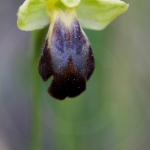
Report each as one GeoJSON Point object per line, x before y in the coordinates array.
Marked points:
{"type": "Point", "coordinates": [68, 56]}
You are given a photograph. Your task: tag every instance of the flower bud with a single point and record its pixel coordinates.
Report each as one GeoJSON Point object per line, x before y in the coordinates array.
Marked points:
{"type": "Point", "coordinates": [67, 55]}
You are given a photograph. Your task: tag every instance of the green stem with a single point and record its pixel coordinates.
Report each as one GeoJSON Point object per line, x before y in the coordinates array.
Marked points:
{"type": "Point", "coordinates": [38, 38]}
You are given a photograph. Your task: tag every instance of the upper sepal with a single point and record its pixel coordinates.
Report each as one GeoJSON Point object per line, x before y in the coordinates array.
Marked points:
{"type": "Point", "coordinates": [71, 3]}
{"type": "Point", "coordinates": [32, 15]}
{"type": "Point", "coordinates": [97, 14]}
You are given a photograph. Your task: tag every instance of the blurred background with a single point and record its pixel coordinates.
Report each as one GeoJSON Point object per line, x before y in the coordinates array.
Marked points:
{"type": "Point", "coordinates": [112, 114]}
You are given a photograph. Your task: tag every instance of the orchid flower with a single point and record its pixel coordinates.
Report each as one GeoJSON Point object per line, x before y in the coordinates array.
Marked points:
{"type": "Point", "coordinates": [67, 54]}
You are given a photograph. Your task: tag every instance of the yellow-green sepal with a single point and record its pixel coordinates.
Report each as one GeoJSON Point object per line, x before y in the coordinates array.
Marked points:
{"type": "Point", "coordinates": [97, 14]}
{"type": "Point", "coordinates": [32, 15]}
{"type": "Point", "coordinates": [71, 3]}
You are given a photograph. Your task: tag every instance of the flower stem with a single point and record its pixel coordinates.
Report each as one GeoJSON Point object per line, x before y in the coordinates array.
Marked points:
{"type": "Point", "coordinates": [36, 91]}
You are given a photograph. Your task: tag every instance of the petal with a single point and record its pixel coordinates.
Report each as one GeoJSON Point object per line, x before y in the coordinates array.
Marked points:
{"type": "Point", "coordinates": [97, 14]}
{"type": "Point", "coordinates": [32, 15]}
{"type": "Point", "coordinates": [71, 3]}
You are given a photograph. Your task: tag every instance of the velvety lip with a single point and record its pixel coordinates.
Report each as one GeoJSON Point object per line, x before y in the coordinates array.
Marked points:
{"type": "Point", "coordinates": [68, 57]}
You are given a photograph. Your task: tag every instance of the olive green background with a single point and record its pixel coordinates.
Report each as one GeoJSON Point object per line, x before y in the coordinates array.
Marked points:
{"type": "Point", "coordinates": [114, 111]}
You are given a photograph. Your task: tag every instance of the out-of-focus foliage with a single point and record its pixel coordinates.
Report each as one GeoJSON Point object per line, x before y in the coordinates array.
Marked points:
{"type": "Point", "coordinates": [113, 113]}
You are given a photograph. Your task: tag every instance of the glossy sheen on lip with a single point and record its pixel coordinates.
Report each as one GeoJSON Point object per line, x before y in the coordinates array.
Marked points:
{"type": "Point", "coordinates": [68, 56]}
